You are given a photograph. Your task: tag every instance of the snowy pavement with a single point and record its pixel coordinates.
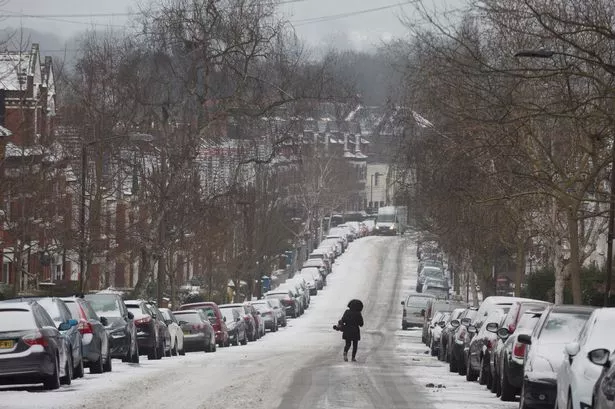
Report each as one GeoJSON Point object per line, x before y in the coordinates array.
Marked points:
{"type": "Point", "coordinates": [300, 366]}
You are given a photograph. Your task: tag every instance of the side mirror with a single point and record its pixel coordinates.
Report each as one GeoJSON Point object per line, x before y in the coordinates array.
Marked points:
{"type": "Point", "coordinates": [104, 321]}
{"type": "Point", "coordinates": [492, 327]}
{"type": "Point", "coordinates": [130, 315]}
{"type": "Point", "coordinates": [237, 319]}
{"type": "Point", "coordinates": [258, 313]}
{"type": "Point", "coordinates": [472, 329]}
{"type": "Point", "coordinates": [524, 339]}
{"type": "Point", "coordinates": [572, 349]}
{"type": "Point", "coordinates": [224, 319]}
{"type": "Point", "coordinates": [466, 321]}
{"type": "Point", "coordinates": [455, 324]}
{"type": "Point", "coordinates": [181, 322]}
{"type": "Point", "coordinates": [599, 357]}
{"type": "Point", "coordinates": [403, 303]}
{"type": "Point", "coordinates": [503, 333]}
{"type": "Point", "coordinates": [153, 316]}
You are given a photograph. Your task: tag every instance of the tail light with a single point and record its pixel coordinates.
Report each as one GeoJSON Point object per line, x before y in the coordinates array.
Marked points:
{"type": "Point", "coordinates": [145, 320]}
{"type": "Point", "coordinates": [198, 327]}
{"type": "Point", "coordinates": [519, 350]}
{"type": "Point", "coordinates": [462, 335]}
{"type": "Point", "coordinates": [217, 326]}
{"type": "Point", "coordinates": [85, 327]}
{"type": "Point", "coordinates": [489, 344]}
{"type": "Point", "coordinates": [36, 338]}
{"type": "Point", "coordinates": [511, 328]}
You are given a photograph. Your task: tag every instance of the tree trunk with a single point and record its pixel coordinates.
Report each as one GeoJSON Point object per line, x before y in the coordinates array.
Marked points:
{"type": "Point", "coordinates": [520, 273]}
{"type": "Point", "coordinates": [574, 264]}
{"type": "Point", "coordinates": [560, 273]}
{"type": "Point", "coordinates": [473, 287]}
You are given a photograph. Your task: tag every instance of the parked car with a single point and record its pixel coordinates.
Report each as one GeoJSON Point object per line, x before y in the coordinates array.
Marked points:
{"type": "Point", "coordinates": [320, 263]}
{"type": "Point", "coordinates": [237, 329]}
{"type": "Point", "coordinates": [508, 357]}
{"type": "Point", "coordinates": [33, 350]}
{"type": "Point", "coordinates": [95, 343]}
{"type": "Point", "coordinates": [216, 319]}
{"type": "Point", "coordinates": [312, 279]}
{"type": "Point", "coordinates": [460, 342]}
{"type": "Point", "coordinates": [279, 310]}
{"type": "Point", "coordinates": [428, 272]}
{"type": "Point", "coordinates": [299, 297]}
{"type": "Point", "coordinates": [120, 325]}
{"type": "Point", "coordinates": [258, 320]}
{"type": "Point", "coordinates": [413, 310]}
{"type": "Point", "coordinates": [604, 389]}
{"type": "Point", "coordinates": [246, 316]}
{"type": "Point", "coordinates": [287, 300]}
{"type": "Point", "coordinates": [149, 333]}
{"type": "Point", "coordinates": [434, 305]}
{"type": "Point", "coordinates": [268, 314]}
{"type": "Point", "coordinates": [578, 373]}
{"type": "Point", "coordinates": [199, 334]}
{"type": "Point", "coordinates": [481, 346]}
{"type": "Point", "coordinates": [175, 331]}
{"type": "Point", "coordinates": [59, 313]}
{"type": "Point", "coordinates": [437, 325]}
{"type": "Point", "coordinates": [557, 326]}
{"type": "Point", "coordinates": [163, 330]}
{"type": "Point", "coordinates": [437, 288]}
{"type": "Point", "coordinates": [447, 334]}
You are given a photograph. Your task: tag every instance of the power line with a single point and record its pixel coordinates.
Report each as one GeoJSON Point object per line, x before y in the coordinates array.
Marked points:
{"type": "Point", "coordinates": [339, 16]}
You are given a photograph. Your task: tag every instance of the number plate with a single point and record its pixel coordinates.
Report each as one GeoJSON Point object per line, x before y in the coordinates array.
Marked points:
{"type": "Point", "coordinates": [6, 344]}
{"type": "Point", "coordinates": [186, 332]}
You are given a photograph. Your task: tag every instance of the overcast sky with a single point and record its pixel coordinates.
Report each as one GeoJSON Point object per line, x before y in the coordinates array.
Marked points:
{"type": "Point", "coordinates": [363, 30]}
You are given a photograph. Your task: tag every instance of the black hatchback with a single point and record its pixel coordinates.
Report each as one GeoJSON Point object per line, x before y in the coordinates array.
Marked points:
{"type": "Point", "coordinates": [120, 325]}
{"type": "Point", "coordinates": [31, 347]}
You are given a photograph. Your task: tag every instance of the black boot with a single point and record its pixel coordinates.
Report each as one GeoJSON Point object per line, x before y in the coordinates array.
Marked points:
{"type": "Point", "coordinates": [346, 356]}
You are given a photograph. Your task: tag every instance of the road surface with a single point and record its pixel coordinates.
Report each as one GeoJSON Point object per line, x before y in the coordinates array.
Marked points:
{"type": "Point", "coordinates": [299, 367]}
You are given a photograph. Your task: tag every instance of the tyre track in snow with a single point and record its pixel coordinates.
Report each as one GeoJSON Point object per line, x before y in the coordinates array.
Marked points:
{"type": "Point", "coordinates": [377, 380]}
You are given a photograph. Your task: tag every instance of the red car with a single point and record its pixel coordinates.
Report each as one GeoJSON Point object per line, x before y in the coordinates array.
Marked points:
{"type": "Point", "coordinates": [214, 315]}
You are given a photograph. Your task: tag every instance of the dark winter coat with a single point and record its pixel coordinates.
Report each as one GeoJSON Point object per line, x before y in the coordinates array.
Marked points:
{"type": "Point", "coordinates": [351, 321]}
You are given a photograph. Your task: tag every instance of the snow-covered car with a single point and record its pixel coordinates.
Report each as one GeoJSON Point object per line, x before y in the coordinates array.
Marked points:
{"type": "Point", "coordinates": [175, 331]}
{"type": "Point", "coordinates": [544, 354]}
{"type": "Point", "coordinates": [267, 313]}
{"type": "Point", "coordinates": [246, 316]}
{"type": "Point", "coordinates": [310, 277]}
{"type": "Point", "coordinates": [323, 252]}
{"type": "Point", "coordinates": [287, 300]}
{"type": "Point", "coordinates": [435, 331]}
{"type": "Point", "coordinates": [278, 309]}
{"type": "Point", "coordinates": [321, 263]}
{"type": "Point", "coordinates": [258, 320]}
{"type": "Point", "coordinates": [150, 334]}
{"type": "Point", "coordinates": [604, 389]}
{"type": "Point", "coordinates": [237, 329]}
{"type": "Point", "coordinates": [317, 276]}
{"type": "Point", "coordinates": [334, 247]}
{"type": "Point", "coordinates": [199, 335]}
{"type": "Point", "coordinates": [578, 374]}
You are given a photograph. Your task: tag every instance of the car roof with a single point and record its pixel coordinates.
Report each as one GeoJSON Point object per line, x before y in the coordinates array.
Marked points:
{"type": "Point", "coordinates": [571, 309]}
{"type": "Point", "coordinates": [17, 305]}
{"type": "Point", "coordinates": [179, 312]}
{"type": "Point", "coordinates": [199, 304]}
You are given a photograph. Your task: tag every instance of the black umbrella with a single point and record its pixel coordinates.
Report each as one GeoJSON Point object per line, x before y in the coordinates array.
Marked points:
{"type": "Point", "coordinates": [356, 305]}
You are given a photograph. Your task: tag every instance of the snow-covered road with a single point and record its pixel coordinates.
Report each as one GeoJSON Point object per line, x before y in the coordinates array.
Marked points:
{"type": "Point", "coordinates": [300, 366]}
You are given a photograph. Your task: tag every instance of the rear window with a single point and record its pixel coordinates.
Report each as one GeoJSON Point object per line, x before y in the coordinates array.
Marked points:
{"type": "Point", "coordinates": [52, 309]}
{"type": "Point", "coordinates": [16, 320]}
{"type": "Point", "coordinates": [228, 314]}
{"type": "Point", "coordinates": [278, 296]}
{"type": "Point", "coordinates": [104, 305]}
{"type": "Point", "coordinates": [191, 318]}
{"type": "Point", "coordinates": [417, 301]}
{"type": "Point", "coordinates": [562, 328]}
{"type": "Point", "coordinates": [528, 321]}
{"type": "Point", "coordinates": [74, 309]}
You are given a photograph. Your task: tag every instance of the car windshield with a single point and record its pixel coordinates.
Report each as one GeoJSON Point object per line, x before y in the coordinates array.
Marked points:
{"type": "Point", "coordinates": [228, 314]}
{"type": "Point", "coordinates": [74, 309]}
{"type": "Point", "coordinates": [52, 309]}
{"type": "Point", "coordinates": [439, 292]}
{"type": "Point", "coordinates": [165, 315]}
{"type": "Point", "coordinates": [417, 301]}
{"type": "Point", "coordinates": [432, 272]}
{"type": "Point", "coordinates": [261, 307]}
{"type": "Point", "coordinates": [16, 320]}
{"type": "Point", "coordinates": [106, 306]}
{"type": "Point", "coordinates": [528, 321]}
{"type": "Point", "coordinates": [189, 317]}
{"type": "Point", "coordinates": [279, 296]}
{"type": "Point", "coordinates": [561, 328]}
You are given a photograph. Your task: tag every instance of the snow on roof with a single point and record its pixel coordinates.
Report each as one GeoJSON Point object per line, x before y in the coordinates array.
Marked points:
{"type": "Point", "coordinates": [17, 66]}
{"type": "Point", "coordinates": [5, 132]}
{"type": "Point", "coordinates": [349, 155]}
{"type": "Point", "coordinates": [351, 115]}
{"type": "Point", "coordinates": [14, 151]}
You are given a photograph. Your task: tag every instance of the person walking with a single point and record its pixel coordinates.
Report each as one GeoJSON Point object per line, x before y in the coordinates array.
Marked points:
{"type": "Point", "coordinates": [349, 325]}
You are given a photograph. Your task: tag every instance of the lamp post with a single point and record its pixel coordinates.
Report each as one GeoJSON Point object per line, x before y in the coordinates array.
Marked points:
{"type": "Point", "coordinates": [610, 68]}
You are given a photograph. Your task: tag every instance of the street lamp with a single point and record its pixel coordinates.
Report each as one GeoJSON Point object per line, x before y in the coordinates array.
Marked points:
{"type": "Point", "coordinates": [545, 53]}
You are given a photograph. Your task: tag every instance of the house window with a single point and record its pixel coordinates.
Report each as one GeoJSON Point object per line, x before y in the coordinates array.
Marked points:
{"type": "Point", "coordinates": [59, 272]}
{"type": "Point", "coordinates": [6, 268]}
{"type": "Point", "coordinates": [376, 176]}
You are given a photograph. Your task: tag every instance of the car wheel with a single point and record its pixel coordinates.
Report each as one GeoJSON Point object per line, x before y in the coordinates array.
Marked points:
{"type": "Point", "coordinates": [108, 365]}
{"type": "Point", "coordinates": [174, 350]}
{"type": "Point", "coordinates": [507, 391]}
{"type": "Point", "coordinates": [244, 341]}
{"type": "Point", "coordinates": [161, 349]}
{"type": "Point", "coordinates": [452, 365]}
{"type": "Point", "coordinates": [471, 376]}
{"type": "Point", "coordinates": [53, 381]}
{"type": "Point", "coordinates": [97, 367]}
{"type": "Point", "coordinates": [432, 348]}
{"type": "Point", "coordinates": [284, 322]}
{"type": "Point", "coordinates": [214, 347]}
{"type": "Point", "coordinates": [482, 373]}
{"type": "Point", "coordinates": [461, 368]}
{"type": "Point", "coordinates": [182, 351]}
{"type": "Point", "coordinates": [206, 347]}
{"type": "Point", "coordinates": [522, 404]}
{"type": "Point", "coordinates": [68, 371]}
{"type": "Point", "coordinates": [495, 381]}
{"type": "Point", "coordinates": [152, 354]}
{"type": "Point", "coordinates": [135, 355]}
{"type": "Point", "coordinates": [78, 372]}
{"type": "Point", "coordinates": [569, 404]}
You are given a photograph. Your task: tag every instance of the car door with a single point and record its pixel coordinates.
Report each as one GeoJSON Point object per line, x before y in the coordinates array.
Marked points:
{"type": "Point", "coordinates": [73, 334]}
{"type": "Point", "coordinates": [49, 330]}
{"type": "Point", "coordinates": [564, 373]}
{"type": "Point", "coordinates": [98, 327]}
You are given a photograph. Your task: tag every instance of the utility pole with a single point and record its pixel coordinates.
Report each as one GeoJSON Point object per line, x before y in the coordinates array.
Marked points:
{"type": "Point", "coordinates": [82, 248]}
